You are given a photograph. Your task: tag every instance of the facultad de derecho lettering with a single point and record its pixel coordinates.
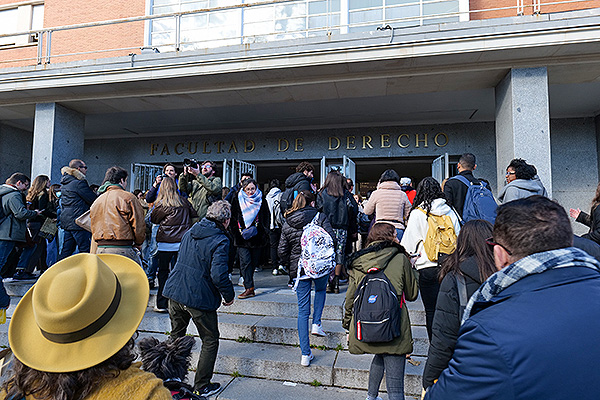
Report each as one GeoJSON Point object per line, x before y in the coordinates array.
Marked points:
{"type": "Point", "coordinates": [282, 145]}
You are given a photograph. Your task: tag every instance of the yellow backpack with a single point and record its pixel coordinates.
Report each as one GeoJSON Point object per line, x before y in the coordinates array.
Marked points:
{"type": "Point", "coordinates": [440, 237]}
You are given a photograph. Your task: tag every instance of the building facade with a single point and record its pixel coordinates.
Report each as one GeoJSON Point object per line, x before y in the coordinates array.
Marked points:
{"type": "Point", "coordinates": [378, 83]}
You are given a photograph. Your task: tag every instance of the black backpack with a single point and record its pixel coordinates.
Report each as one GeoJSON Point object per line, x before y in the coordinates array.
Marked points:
{"type": "Point", "coordinates": [376, 309]}
{"type": "Point", "coordinates": [287, 198]}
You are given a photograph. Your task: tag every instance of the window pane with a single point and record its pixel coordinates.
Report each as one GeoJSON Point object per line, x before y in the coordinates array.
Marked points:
{"type": "Point", "coordinates": [402, 12]}
{"type": "Point", "coordinates": [223, 3]}
{"type": "Point", "coordinates": [193, 21]}
{"type": "Point", "coordinates": [163, 24]}
{"type": "Point", "coordinates": [163, 2]}
{"type": "Point", "coordinates": [358, 17]}
{"type": "Point", "coordinates": [440, 8]}
{"type": "Point", "coordinates": [357, 4]}
{"type": "Point", "coordinates": [258, 14]}
{"type": "Point", "coordinates": [163, 38]}
{"type": "Point", "coordinates": [258, 28]}
{"type": "Point", "coordinates": [37, 18]}
{"type": "Point", "coordinates": [317, 7]}
{"type": "Point", "coordinates": [165, 9]}
{"type": "Point", "coordinates": [290, 25]}
{"type": "Point", "coordinates": [8, 21]}
{"type": "Point", "coordinates": [393, 2]}
{"type": "Point", "coordinates": [317, 22]}
{"type": "Point", "coordinates": [290, 10]}
{"type": "Point", "coordinates": [334, 5]}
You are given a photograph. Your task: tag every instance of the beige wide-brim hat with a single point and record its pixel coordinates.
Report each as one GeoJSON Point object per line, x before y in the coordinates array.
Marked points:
{"type": "Point", "coordinates": [80, 312]}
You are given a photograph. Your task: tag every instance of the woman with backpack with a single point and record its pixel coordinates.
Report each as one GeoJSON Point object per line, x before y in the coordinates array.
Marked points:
{"type": "Point", "coordinates": [337, 203]}
{"type": "Point", "coordinates": [382, 256]}
{"type": "Point", "coordinates": [301, 214]}
{"type": "Point", "coordinates": [173, 213]}
{"type": "Point", "coordinates": [461, 274]}
{"type": "Point", "coordinates": [249, 227]}
{"type": "Point", "coordinates": [431, 220]}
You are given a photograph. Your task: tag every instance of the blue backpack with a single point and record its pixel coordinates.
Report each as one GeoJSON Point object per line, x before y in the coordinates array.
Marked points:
{"type": "Point", "coordinates": [479, 201]}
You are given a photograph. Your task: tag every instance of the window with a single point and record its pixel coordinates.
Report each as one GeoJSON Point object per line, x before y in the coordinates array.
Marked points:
{"type": "Point", "coordinates": [25, 17]}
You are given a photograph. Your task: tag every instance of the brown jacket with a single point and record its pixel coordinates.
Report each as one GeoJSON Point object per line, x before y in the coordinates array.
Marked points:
{"type": "Point", "coordinates": [174, 221]}
{"type": "Point", "coordinates": [117, 218]}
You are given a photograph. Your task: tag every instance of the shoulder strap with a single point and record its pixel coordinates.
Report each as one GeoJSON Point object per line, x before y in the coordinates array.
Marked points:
{"type": "Point", "coordinates": [461, 285]}
{"type": "Point", "coordinates": [462, 179]}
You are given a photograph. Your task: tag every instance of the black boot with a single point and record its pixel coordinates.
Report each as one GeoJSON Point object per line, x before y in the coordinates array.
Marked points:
{"type": "Point", "coordinates": [330, 286]}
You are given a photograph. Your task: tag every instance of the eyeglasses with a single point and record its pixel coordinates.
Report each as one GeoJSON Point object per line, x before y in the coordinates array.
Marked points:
{"type": "Point", "coordinates": [84, 166]}
{"type": "Point", "coordinates": [510, 173]}
{"type": "Point", "coordinates": [490, 242]}
{"type": "Point", "coordinates": [206, 166]}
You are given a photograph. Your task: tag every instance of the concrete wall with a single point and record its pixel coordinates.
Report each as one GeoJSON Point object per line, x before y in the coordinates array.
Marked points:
{"type": "Point", "coordinates": [574, 163]}
{"type": "Point", "coordinates": [15, 151]}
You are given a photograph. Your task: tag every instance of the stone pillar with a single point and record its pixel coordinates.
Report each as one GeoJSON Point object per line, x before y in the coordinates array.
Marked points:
{"type": "Point", "coordinates": [57, 139]}
{"type": "Point", "coordinates": [523, 122]}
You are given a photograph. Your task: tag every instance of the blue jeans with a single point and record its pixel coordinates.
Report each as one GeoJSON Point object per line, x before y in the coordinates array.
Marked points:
{"type": "Point", "coordinates": [303, 294]}
{"type": "Point", "coordinates": [393, 366]}
{"type": "Point", "coordinates": [152, 258]}
{"type": "Point", "coordinates": [399, 233]}
{"type": "Point", "coordinates": [6, 247]}
{"type": "Point", "coordinates": [80, 239]}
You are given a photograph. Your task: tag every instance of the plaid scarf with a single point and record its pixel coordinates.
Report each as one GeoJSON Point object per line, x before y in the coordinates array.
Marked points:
{"type": "Point", "coordinates": [532, 264]}
{"type": "Point", "coordinates": [250, 205]}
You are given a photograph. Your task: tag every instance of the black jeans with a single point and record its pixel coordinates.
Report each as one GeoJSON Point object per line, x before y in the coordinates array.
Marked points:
{"type": "Point", "coordinates": [249, 259]}
{"type": "Point", "coordinates": [79, 239]}
{"type": "Point", "coordinates": [208, 328]}
{"type": "Point", "coordinates": [274, 236]}
{"type": "Point", "coordinates": [429, 286]}
{"type": "Point", "coordinates": [166, 260]}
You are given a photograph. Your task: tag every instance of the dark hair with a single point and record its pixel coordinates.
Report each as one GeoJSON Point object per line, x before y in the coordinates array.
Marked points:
{"type": "Point", "coordinates": [17, 177]}
{"type": "Point", "coordinates": [212, 165]}
{"type": "Point", "coordinates": [77, 385]}
{"type": "Point", "coordinates": [137, 192]}
{"type": "Point", "coordinates": [248, 181]}
{"type": "Point", "coordinates": [596, 200]}
{"type": "Point", "coordinates": [471, 243]}
{"type": "Point", "coordinates": [349, 183]}
{"type": "Point", "coordinates": [303, 199]}
{"type": "Point", "coordinates": [532, 225]}
{"type": "Point", "coordinates": [115, 175]}
{"type": "Point", "coordinates": [427, 190]}
{"type": "Point", "coordinates": [390, 175]}
{"type": "Point", "coordinates": [381, 231]}
{"type": "Point", "coordinates": [467, 160]}
{"type": "Point", "coordinates": [246, 174]}
{"type": "Point", "coordinates": [335, 183]}
{"type": "Point", "coordinates": [305, 166]}
{"type": "Point", "coordinates": [522, 169]}
{"type": "Point", "coordinates": [76, 163]}
{"type": "Point", "coordinates": [55, 187]}
{"type": "Point", "coordinates": [169, 165]}
{"type": "Point", "coordinates": [274, 183]}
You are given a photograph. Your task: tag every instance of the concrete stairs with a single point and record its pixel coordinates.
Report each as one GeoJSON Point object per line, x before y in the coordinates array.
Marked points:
{"type": "Point", "coordinates": [259, 355]}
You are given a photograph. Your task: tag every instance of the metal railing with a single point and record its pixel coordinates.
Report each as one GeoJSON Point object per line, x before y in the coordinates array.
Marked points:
{"type": "Point", "coordinates": [44, 36]}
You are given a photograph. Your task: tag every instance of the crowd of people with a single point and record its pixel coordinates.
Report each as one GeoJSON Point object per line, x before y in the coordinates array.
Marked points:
{"type": "Point", "coordinates": [501, 309]}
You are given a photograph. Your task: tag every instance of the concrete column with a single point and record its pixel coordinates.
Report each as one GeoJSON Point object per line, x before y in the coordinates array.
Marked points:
{"type": "Point", "coordinates": [57, 139]}
{"type": "Point", "coordinates": [523, 122]}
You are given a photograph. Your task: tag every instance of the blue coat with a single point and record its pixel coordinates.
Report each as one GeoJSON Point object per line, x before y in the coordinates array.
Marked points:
{"type": "Point", "coordinates": [200, 277]}
{"type": "Point", "coordinates": [537, 339]}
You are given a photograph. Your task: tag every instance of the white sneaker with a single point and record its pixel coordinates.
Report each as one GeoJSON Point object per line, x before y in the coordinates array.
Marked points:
{"type": "Point", "coordinates": [241, 281]}
{"type": "Point", "coordinates": [275, 272]}
{"type": "Point", "coordinates": [317, 330]}
{"type": "Point", "coordinates": [305, 362]}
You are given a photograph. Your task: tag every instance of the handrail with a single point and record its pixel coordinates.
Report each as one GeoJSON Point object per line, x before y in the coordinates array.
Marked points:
{"type": "Point", "coordinates": [46, 33]}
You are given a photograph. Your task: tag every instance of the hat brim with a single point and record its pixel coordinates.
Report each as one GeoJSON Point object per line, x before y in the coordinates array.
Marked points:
{"type": "Point", "coordinates": [34, 350]}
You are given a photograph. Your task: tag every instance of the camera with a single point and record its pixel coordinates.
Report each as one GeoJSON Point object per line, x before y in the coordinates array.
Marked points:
{"type": "Point", "coordinates": [190, 162]}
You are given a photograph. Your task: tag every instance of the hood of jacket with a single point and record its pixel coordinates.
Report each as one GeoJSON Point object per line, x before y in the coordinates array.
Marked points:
{"type": "Point", "coordinates": [438, 207]}
{"type": "Point", "coordinates": [6, 188]}
{"type": "Point", "coordinates": [389, 185]}
{"type": "Point", "coordinates": [207, 228]}
{"type": "Point", "coordinates": [68, 174]}
{"type": "Point", "coordinates": [377, 255]}
{"type": "Point", "coordinates": [294, 178]}
{"type": "Point", "coordinates": [273, 193]}
{"type": "Point", "coordinates": [300, 218]}
{"type": "Point", "coordinates": [534, 186]}
{"type": "Point", "coordinates": [469, 268]}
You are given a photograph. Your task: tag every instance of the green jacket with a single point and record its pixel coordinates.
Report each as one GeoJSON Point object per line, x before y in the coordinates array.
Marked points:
{"type": "Point", "coordinates": [391, 258]}
{"type": "Point", "coordinates": [14, 225]}
{"type": "Point", "coordinates": [199, 188]}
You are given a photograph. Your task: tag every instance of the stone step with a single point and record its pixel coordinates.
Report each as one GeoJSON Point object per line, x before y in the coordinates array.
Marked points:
{"type": "Point", "coordinates": [278, 330]}
{"type": "Point", "coordinates": [281, 302]}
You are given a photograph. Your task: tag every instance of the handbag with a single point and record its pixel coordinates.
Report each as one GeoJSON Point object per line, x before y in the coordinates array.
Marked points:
{"type": "Point", "coordinates": [250, 231]}
{"type": "Point", "coordinates": [49, 229]}
{"type": "Point", "coordinates": [84, 221]}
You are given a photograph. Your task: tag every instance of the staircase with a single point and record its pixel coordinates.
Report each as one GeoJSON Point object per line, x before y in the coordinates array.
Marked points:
{"type": "Point", "coordinates": [259, 357]}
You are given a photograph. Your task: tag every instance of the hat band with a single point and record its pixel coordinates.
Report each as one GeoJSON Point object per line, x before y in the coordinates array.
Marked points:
{"type": "Point", "coordinates": [92, 328]}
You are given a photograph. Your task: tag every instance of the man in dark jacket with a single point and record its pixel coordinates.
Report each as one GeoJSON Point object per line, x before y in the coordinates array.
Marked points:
{"type": "Point", "coordinates": [454, 189]}
{"type": "Point", "coordinates": [196, 286]}
{"type": "Point", "coordinates": [297, 182]}
{"type": "Point", "coordinates": [76, 197]}
{"type": "Point", "coordinates": [531, 330]}
{"type": "Point", "coordinates": [13, 217]}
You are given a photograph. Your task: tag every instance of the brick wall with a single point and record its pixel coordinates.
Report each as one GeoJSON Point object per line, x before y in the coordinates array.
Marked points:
{"type": "Point", "coordinates": [507, 8]}
{"type": "Point", "coordinates": [129, 36]}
